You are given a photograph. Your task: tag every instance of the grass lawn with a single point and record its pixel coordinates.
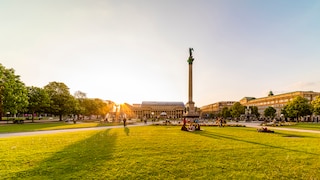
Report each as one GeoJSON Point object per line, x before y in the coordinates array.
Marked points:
{"type": "Point", "coordinates": [162, 152]}
{"type": "Point", "coordinates": [304, 125]}
{"type": "Point", "coordinates": [5, 128]}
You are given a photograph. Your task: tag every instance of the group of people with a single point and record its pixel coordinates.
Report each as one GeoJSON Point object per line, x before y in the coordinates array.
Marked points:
{"type": "Point", "coordinates": [221, 122]}
{"type": "Point", "coordinates": [265, 129]}
{"type": "Point", "coordinates": [192, 126]}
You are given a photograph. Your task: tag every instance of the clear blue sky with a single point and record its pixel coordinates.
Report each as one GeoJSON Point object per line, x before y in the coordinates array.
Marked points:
{"type": "Point", "coordinates": [137, 50]}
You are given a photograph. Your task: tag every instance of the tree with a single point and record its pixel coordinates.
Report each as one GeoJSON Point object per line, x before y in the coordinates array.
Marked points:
{"type": "Point", "coordinates": [13, 93]}
{"type": "Point", "coordinates": [62, 102]}
{"type": "Point", "coordinates": [89, 107]}
{"type": "Point", "coordinates": [80, 97]}
{"type": "Point", "coordinates": [96, 107]}
{"type": "Point", "coordinates": [298, 107]}
{"type": "Point", "coordinates": [225, 112]}
{"type": "Point", "coordinates": [254, 110]}
{"type": "Point", "coordinates": [102, 108]}
{"type": "Point", "coordinates": [237, 109]}
{"type": "Point", "coordinates": [316, 105]}
{"type": "Point", "coordinates": [284, 112]}
{"type": "Point", "coordinates": [75, 108]}
{"type": "Point", "coordinates": [270, 112]}
{"type": "Point", "coordinates": [38, 100]}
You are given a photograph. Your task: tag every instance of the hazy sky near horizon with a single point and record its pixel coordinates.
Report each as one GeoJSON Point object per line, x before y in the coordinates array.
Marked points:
{"type": "Point", "coordinates": [137, 50]}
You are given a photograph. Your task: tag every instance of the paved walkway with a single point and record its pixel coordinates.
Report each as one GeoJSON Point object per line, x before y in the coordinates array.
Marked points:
{"type": "Point", "coordinates": [247, 124]}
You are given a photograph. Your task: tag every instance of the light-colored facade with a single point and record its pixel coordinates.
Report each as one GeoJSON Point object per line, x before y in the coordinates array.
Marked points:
{"type": "Point", "coordinates": [153, 109]}
{"type": "Point", "coordinates": [277, 101]}
{"type": "Point", "coordinates": [215, 108]}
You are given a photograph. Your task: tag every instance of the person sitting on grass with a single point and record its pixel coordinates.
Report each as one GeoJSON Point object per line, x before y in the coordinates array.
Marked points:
{"type": "Point", "coordinates": [198, 127]}
{"type": "Point", "coordinates": [191, 128]}
{"type": "Point", "coordinates": [265, 129]}
{"type": "Point", "coordinates": [184, 128]}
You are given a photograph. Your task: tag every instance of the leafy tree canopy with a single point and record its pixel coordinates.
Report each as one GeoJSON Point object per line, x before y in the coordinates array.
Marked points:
{"type": "Point", "coordinates": [298, 107]}
{"type": "Point", "coordinates": [316, 105]}
{"type": "Point", "coordinates": [13, 93]}
{"type": "Point", "coordinates": [254, 110]}
{"type": "Point", "coordinates": [225, 112]}
{"type": "Point", "coordinates": [80, 104]}
{"type": "Point", "coordinates": [96, 107]}
{"type": "Point", "coordinates": [237, 109]}
{"type": "Point", "coordinates": [270, 112]}
{"type": "Point", "coordinates": [62, 102]}
{"type": "Point", "coordinates": [38, 100]}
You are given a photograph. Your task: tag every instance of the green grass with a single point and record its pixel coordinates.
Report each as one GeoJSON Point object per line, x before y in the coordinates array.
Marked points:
{"type": "Point", "coordinates": [162, 152]}
{"type": "Point", "coordinates": [304, 125]}
{"type": "Point", "coordinates": [8, 128]}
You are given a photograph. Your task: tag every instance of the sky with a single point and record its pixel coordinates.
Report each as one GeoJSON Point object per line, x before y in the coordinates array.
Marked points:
{"type": "Point", "coordinates": [137, 50]}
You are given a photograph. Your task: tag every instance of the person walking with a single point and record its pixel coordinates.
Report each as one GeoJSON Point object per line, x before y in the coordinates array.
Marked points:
{"type": "Point", "coordinates": [124, 122]}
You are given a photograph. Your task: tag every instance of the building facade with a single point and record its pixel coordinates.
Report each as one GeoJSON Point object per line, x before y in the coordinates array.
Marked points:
{"type": "Point", "coordinates": [156, 109]}
{"type": "Point", "coordinates": [215, 108]}
{"type": "Point", "coordinates": [277, 101]}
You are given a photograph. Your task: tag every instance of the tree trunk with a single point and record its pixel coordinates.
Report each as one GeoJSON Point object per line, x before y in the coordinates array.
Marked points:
{"type": "Point", "coordinates": [60, 117]}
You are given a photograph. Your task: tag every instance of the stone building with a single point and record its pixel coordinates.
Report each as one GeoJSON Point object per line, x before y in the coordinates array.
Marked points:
{"type": "Point", "coordinates": [156, 109]}
{"type": "Point", "coordinates": [276, 101]}
{"type": "Point", "coordinates": [214, 108]}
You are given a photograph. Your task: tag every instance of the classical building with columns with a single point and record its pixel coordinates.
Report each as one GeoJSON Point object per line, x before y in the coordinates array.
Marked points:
{"type": "Point", "coordinates": [277, 101]}
{"type": "Point", "coordinates": [156, 109]}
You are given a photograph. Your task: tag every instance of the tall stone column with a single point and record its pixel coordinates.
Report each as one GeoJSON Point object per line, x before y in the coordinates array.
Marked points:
{"type": "Point", "coordinates": [190, 83]}
{"type": "Point", "coordinates": [190, 104]}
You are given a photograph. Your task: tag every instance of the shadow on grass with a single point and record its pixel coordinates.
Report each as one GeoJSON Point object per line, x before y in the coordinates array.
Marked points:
{"type": "Point", "coordinates": [127, 131]}
{"type": "Point", "coordinates": [215, 135]}
{"type": "Point", "coordinates": [281, 132]}
{"type": "Point", "coordinates": [74, 161]}
{"type": "Point", "coordinates": [292, 135]}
